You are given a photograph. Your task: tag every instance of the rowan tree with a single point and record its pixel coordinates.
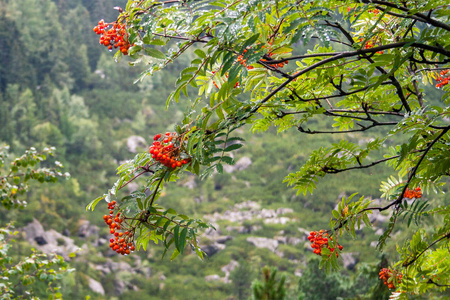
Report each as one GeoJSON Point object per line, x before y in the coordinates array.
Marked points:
{"type": "Point", "coordinates": [362, 66]}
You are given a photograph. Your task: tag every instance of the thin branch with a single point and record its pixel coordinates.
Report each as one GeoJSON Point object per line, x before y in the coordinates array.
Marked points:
{"type": "Point", "coordinates": [145, 170]}
{"type": "Point", "coordinates": [180, 37]}
{"type": "Point", "coordinates": [432, 69]}
{"type": "Point", "coordinates": [430, 281]}
{"type": "Point", "coordinates": [335, 171]}
{"type": "Point", "coordinates": [413, 173]}
{"type": "Point", "coordinates": [418, 16]}
{"type": "Point", "coordinates": [363, 128]}
{"type": "Point", "coordinates": [416, 86]}
{"type": "Point", "coordinates": [407, 264]}
{"type": "Point", "coordinates": [373, 112]}
{"type": "Point", "coordinates": [156, 190]}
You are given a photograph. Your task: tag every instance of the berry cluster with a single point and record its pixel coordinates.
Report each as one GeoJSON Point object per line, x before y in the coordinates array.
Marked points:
{"type": "Point", "coordinates": [236, 84]}
{"type": "Point", "coordinates": [444, 80]}
{"type": "Point", "coordinates": [241, 59]}
{"type": "Point", "coordinates": [386, 274]}
{"type": "Point", "coordinates": [116, 36]}
{"type": "Point", "coordinates": [319, 240]}
{"type": "Point", "coordinates": [373, 11]}
{"type": "Point", "coordinates": [279, 65]}
{"type": "Point", "coordinates": [370, 44]}
{"type": "Point", "coordinates": [416, 193]}
{"type": "Point", "coordinates": [164, 150]}
{"type": "Point", "coordinates": [122, 243]}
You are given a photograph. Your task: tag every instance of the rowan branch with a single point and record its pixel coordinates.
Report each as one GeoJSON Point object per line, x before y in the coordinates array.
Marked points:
{"type": "Point", "coordinates": [407, 264]}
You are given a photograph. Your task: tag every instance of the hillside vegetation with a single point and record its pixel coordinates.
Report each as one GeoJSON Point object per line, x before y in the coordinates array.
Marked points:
{"type": "Point", "coordinates": [59, 87]}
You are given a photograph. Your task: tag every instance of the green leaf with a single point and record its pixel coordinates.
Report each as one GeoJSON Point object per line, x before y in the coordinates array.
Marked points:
{"type": "Point", "coordinates": [155, 53]}
{"type": "Point", "coordinates": [336, 214]}
{"type": "Point", "coordinates": [174, 254]}
{"type": "Point", "coordinates": [182, 239]}
{"type": "Point", "coordinates": [200, 53]}
{"type": "Point", "coordinates": [134, 50]}
{"type": "Point", "coordinates": [139, 203]}
{"type": "Point", "coordinates": [176, 236]}
{"type": "Point", "coordinates": [233, 147]}
{"type": "Point", "coordinates": [250, 41]}
{"type": "Point", "coordinates": [170, 211]}
{"type": "Point", "coordinates": [91, 206]}
{"type": "Point", "coordinates": [228, 160]}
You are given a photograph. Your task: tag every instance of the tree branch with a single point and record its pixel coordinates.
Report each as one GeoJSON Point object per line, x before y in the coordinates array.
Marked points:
{"type": "Point", "coordinates": [418, 16]}
{"type": "Point", "coordinates": [407, 264]}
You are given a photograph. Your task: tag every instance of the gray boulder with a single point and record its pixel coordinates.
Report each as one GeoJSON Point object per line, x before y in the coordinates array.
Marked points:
{"type": "Point", "coordinates": [262, 242]}
{"type": "Point", "coordinates": [135, 141]}
{"type": "Point", "coordinates": [350, 260]}
{"type": "Point", "coordinates": [96, 286]}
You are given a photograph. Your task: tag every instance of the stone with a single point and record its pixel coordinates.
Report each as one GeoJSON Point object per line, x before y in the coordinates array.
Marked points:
{"type": "Point", "coordinates": [305, 233]}
{"type": "Point", "coordinates": [190, 183]}
{"type": "Point", "coordinates": [210, 250]}
{"type": "Point", "coordinates": [40, 240]}
{"type": "Point", "coordinates": [33, 230]}
{"type": "Point", "coordinates": [262, 242]}
{"type": "Point", "coordinates": [223, 239]}
{"type": "Point", "coordinates": [349, 260]}
{"type": "Point", "coordinates": [49, 241]}
{"type": "Point", "coordinates": [86, 229]}
{"type": "Point", "coordinates": [284, 210]}
{"type": "Point", "coordinates": [294, 241]}
{"type": "Point", "coordinates": [230, 267]}
{"type": "Point", "coordinates": [213, 277]}
{"type": "Point", "coordinates": [242, 164]}
{"type": "Point", "coordinates": [119, 287]}
{"type": "Point", "coordinates": [135, 141]}
{"type": "Point", "coordinates": [146, 271]}
{"type": "Point", "coordinates": [95, 286]}
{"type": "Point", "coordinates": [280, 220]}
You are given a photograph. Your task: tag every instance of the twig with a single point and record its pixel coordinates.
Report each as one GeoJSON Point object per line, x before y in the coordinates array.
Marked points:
{"type": "Point", "coordinates": [406, 264]}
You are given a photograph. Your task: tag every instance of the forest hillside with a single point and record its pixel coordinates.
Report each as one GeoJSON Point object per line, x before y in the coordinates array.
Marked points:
{"type": "Point", "coordinates": [60, 88]}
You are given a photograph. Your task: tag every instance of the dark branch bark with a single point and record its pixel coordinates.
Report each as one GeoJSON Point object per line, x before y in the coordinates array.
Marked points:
{"type": "Point", "coordinates": [418, 16]}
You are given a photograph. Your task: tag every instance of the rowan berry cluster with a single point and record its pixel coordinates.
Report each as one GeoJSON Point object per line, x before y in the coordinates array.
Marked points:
{"type": "Point", "coordinates": [389, 277]}
{"type": "Point", "coordinates": [165, 151]}
{"type": "Point", "coordinates": [122, 242]}
{"type": "Point", "coordinates": [372, 11]}
{"type": "Point", "coordinates": [416, 193]}
{"type": "Point", "coordinates": [444, 80]}
{"type": "Point", "coordinates": [236, 85]}
{"type": "Point", "coordinates": [114, 37]}
{"type": "Point", "coordinates": [278, 65]}
{"type": "Point", "coordinates": [370, 44]}
{"type": "Point", "coordinates": [241, 59]}
{"type": "Point", "coordinates": [319, 240]}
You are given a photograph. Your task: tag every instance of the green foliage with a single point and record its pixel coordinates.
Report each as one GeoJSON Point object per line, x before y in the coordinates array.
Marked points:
{"type": "Point", "coordinates": [242, 277]}
{"type": "Point", "coordinates": [37, 267]}
{"type": "Point", "coordinates": [361, 81]}
{"type": "Point", "coordinates": [271, 288]}
{"type": "Point", "coordinates": [15, 179]}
